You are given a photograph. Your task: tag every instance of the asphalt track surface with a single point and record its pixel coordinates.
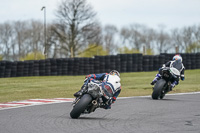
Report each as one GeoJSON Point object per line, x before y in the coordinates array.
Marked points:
{"type": "Point", "coordinates": [173, 114]}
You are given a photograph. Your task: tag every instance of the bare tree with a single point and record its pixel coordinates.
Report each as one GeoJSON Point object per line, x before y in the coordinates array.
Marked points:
{"type": "Point", "coordinates": [176, 39]}
{"type": "Point", "coordinates": [6, 40]}
{"type": "Point", "coordinates": [196, 30]}
{"type": "Point", "coordinates": [148, 37]}
{"type": "Point", "coordinates": [197, 36]}
{"type": "Point", "coordinates": [76, 18]}
{"type": "Point", "coordinates": [187, 33]}
{"type": "Point", "coordinates": [184, 37]}
{"type": "Point", "coordinates": [133, 36]}
{"type": "Point", "coordinates": [94, 35]}
{"type": "Point", "coordinates": [20, 30]}
{"type": "Point", "coordinates": [110, 32]}
{"type": "Point", "coordinates": [136, 36]}
{"type": "Point", "coordinates": [162, 40]}
{"type": "Point", "coordinates": [35, 37]}
{"type": "Point", "coordinates": [52, 42]}
{"type": "Point", "coordinates": [28, 37]}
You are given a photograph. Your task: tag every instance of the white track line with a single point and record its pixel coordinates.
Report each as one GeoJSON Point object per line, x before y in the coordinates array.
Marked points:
{"type": "Point", "coordinates": [167, 95]}
{"type": "Point", "coordinates": [33, 102]}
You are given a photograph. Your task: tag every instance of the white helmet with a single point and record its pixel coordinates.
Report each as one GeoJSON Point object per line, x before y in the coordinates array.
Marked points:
{"type": "Point", "coordinates": [114, 72]}
{"type": "Point", "coordinates": [177, 57]}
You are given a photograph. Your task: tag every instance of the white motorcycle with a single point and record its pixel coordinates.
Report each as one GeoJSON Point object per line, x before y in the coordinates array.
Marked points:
{"type": "Point", "coordinates": [162, 86]}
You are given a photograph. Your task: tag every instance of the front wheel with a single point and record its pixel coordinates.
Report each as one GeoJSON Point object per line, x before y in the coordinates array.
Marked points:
{"type": "Point", "coordinates": [80, 106]}
{"type": "Point", "coordinates": [158, 88]}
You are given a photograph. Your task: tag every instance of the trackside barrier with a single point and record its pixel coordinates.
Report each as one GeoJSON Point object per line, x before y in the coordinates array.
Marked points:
{"type": "Point", "coordinates": [98, 64]}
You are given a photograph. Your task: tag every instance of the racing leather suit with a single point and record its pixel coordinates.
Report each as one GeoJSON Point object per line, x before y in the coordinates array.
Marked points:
{"type": "Point", "coordinates": [99, 78]}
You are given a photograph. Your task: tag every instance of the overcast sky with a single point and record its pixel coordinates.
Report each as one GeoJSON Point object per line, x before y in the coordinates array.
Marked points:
{"type": "Point", "coordinates": [171, 13]}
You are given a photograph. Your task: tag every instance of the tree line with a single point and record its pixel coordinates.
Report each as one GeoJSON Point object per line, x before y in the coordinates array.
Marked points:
{"type": "Point", "coordinates": [77, 33]}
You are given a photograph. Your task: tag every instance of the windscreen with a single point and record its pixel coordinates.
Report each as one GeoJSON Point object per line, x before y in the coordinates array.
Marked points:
{"type": "Point", "coordinates": [177, 64]}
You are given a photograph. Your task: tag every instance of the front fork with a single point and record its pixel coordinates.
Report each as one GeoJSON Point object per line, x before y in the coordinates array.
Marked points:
{"type": "Point", "coordinates": [166, 87]}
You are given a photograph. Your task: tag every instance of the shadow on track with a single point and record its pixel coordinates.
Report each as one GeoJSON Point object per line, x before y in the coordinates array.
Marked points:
{"type": "Point", "coordinates": [104, 118]}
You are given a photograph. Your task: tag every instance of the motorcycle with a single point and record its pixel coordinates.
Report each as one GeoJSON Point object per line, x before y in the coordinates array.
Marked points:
{"type": "Point", "coordinates": [93, 98]}
{"type": "Point", "coordinates": [163, 85]}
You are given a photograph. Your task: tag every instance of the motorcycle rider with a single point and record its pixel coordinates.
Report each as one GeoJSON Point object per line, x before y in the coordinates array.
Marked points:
{"type": "Point", "coordinates": [176, 61]}
{"type": "Point", "coordinates": [102, 80]}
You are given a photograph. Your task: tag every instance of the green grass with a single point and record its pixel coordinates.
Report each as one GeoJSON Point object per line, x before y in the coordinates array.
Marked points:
{"type": "Point", "coordinates": [133, 84]}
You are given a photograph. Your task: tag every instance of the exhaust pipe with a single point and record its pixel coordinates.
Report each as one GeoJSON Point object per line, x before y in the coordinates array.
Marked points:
{"type": "Point", "coordinates": [94, 102]}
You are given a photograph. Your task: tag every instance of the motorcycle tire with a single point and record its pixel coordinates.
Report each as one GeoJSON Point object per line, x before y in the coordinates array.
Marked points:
{"type": "Point", "coordinates": [162, 95]}
{"type": "Point", "coordinates": [158, 88]}
{"type": "Point", "coordinates": [80, 106]}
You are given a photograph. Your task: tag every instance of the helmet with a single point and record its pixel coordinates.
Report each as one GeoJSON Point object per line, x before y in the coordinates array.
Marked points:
{"type": "Point", "coordinates": [177, 57]}
{"type": "Point", "coordinates": [114, 72]}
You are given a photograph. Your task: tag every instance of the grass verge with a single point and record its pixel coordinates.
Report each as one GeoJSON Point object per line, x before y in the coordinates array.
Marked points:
{"type": "Point", "coordinates": [133, 84]}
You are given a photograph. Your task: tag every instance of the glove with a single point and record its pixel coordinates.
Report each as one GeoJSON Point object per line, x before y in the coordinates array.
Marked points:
{"type": "Point", "coordinates": [163, 66]}
{"type": "Point", "coordinates": [182, 78]}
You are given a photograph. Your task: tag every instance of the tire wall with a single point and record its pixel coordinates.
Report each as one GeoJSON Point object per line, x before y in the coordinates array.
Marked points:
{"type": "Point", "coordinates": [98, 64]}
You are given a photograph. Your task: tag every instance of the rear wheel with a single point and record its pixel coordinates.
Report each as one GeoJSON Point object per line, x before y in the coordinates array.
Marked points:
{"type": "Point", "coordinates": [80, 106]}
{"type": "Point", "coordinates": [158, 88]}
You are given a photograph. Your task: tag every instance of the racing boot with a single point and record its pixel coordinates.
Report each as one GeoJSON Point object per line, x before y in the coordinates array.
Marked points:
{"type": "Point", "coordinates": [172, 85]}
{"type": "Point", "coordinates": [157, 77]}
{"type": "Point", "coordinates": [81, 91]}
